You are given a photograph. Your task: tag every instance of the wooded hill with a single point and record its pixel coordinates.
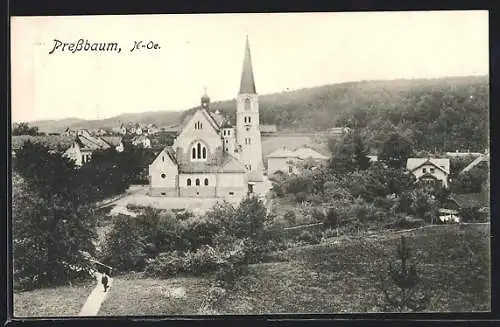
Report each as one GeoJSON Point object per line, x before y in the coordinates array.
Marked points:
{"type": "Point", "coordinates": [443, 114]}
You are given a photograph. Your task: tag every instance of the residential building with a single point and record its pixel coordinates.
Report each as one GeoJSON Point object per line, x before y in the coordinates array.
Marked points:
{"type": "Point", "coordinates": [288, 161]}
{"type": "Point", "coordinates": [211, 156]}
{"type": "Point", "coordinates": [142, 140]}
{"type": "Point", "coordinates": [83, 146]}
{"type": "Point", "coordinates": [114, 141]}
{"type": "Point", "coordinates": [267, 129]}
{"type": "Point", "coordinates": [430, 170]}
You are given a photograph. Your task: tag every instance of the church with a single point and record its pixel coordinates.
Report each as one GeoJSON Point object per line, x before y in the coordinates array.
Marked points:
{"type": "Point", "coordinates": [211, 156]}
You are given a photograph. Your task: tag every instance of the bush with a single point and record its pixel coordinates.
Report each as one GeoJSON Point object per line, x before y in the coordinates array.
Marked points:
{"type": "Point", "coordinates": [309, 237]}
{"type": "Point", "coordinates": [166, 265]}
{"type": "Point", "coordinates": [290, 217]}
{"type": "Point", "coordinates": [201, 261]}
{"type": "Point", "coordinates": [301, 197]}
{"type": "Point", "coordinates": [406, 222]}
{"type": "Point", "coordinates": [124, 248]}
{"type": "Point", "coordinates": [365, 212]}
{"type": "Point", "coordinates": [318, 215]}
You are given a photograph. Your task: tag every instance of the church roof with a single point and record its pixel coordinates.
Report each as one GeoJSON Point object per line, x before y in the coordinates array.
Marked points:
{"type": "Point", "coordinates": [224, 163]}
{"type": "Point", "coordinates": [247, 84]}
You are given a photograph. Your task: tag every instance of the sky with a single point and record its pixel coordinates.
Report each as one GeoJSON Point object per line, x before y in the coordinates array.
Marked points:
{"type": "Point", "coordinates": [198, 51]}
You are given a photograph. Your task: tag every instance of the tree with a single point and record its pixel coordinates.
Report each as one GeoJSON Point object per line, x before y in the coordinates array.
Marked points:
{"type": "Point", "coordinates": [406, 294]}
{"type": "Point", "coordinates": [349, 153]}
{"type": "Point", "coordinates": [360, 155]}
{"type": "Point", "coordinates": [52, 235]}
{"type": "Point", "coordinates": [24, 129]}
{"type": "Point", "coordinates": [124, 247]}
{"type": "Point", "coordinates": [395, 151]}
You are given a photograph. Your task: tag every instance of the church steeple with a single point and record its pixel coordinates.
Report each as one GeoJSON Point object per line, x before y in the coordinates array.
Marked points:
{"type": "Point", "coordinates": [247, 84]}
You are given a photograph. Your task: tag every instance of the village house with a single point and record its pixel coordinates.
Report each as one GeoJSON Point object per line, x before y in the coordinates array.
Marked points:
{"type": "Point", "coordinates": [287, 161]}
{"type": "Point", "coordinates": [114, 141]}
{"type": "Point", "coordinates": [267, 129]}
{"type": "Point", "coordinates": [430, 170]}
{"type": "Point", "coordinates": [83, 146]}
{"type": "Point", "coordinates": [55, 143]}
{"type": "Point", "coordinates": [69, 132]}
{"type": "Point", "coordinates": [212, 157]}
{"type": "Point", "coordinates": [142, 140]}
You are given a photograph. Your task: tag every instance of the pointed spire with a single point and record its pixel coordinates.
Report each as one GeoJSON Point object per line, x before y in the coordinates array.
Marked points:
{"type": "Point", "coordinates": [247, 84]}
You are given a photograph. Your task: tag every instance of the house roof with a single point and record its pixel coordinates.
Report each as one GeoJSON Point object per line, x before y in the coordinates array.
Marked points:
{"type": "Point", "coordinates": [300, 153]}
{"type": "Point", "coordinates": [267, 128]}
{"type": "Point", "coordinates": [283, 152]}
{"type": "Point", "coordinates": [91, 143]}
{"type": "Point", "coordinates": [140, 138]}
{"type": "Point", "coordinates": [440, 163]}
{"type": "Point", "coordinates": [53, 142]}
{"type": "Point", "coordinates": [113, 140]}
{"type": "Point", "coordinates": [471, 200]}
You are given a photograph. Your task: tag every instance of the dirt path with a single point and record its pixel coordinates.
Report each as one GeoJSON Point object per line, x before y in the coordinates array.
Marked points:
{"type": "Point", "coordinates": [96, 298]}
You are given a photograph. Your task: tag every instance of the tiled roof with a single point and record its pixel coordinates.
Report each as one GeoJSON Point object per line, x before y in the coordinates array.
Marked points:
{"type": "Point", "coordinates": [440, 163]}
{"type": "Point", "coordinates": [306, 153]}
{"type": "Point", "coordinates": [91, 143]}
{"type": "Point", "coordinates": [267, 128]}
{"type": "Point", "coordinates": [53, 142]}
{"type": "Point", "coordinates": [113, 140]}
{"type": "Point", "coordinates": [282, 153]}
{"type": "Point", "coordinates": [224, 163]}
{"type": "Point", "coordinates": [300, 153]}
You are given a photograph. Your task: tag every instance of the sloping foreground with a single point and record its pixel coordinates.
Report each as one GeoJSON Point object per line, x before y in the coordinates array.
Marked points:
{"type": "Point", "coordinates": [336, 277]}
{"type": "Point", "coordinates": [52, 302]}
{"type": "Point", "coordinates": [330, 278]}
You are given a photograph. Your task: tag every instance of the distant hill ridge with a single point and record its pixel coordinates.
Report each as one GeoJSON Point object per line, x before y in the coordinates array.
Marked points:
{"type": "Point", "coordinates": [412, 104]}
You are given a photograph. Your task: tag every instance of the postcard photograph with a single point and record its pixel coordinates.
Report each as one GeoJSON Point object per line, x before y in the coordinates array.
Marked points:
{"type": "Point", "coordinates": [250, 164]}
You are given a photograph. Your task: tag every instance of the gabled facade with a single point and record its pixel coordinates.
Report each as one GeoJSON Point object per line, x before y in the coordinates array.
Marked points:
{"type": "Point", "coordinates": [430, 170]}
{"type": "Point", "coordinates": [211, 156]}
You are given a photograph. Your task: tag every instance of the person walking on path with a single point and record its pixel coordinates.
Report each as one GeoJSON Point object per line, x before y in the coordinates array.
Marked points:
{"type": "Point", "coordinates": [104, 281]}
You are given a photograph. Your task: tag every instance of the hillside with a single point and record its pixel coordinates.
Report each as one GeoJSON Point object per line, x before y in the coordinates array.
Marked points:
{"type": "Point", "coordinates": [445, 113]}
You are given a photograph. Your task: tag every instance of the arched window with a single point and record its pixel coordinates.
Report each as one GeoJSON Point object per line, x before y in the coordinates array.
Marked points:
{"type": "Point", "coordinates": [188, 182]}
{"type": "Point", "coordinates": [247, 104]}
{"type": "Point", "coordinates": [199, 151]}
{"type": "Point", "coordinates": [249, 119]}
{"type": "Point", "coordinates": [197, 182]}
{"type": "Point", "coordinates": [206, 181]}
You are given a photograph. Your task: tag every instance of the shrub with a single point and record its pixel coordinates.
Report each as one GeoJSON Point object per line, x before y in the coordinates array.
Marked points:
{"type": "Point", "coordinates": [290, 217]}
{"type": "Point", "coordinates": [332, 218]}
{"type": "Point", "coordinates": [201, 261]}
{"type": "Point", "coordinates": [124, 248]}
{"type": "Point", "coordinates": [308, 237]}
{"type": "Point", "coordinates": [301, 197]}
{"type": "Point", "coordinates": [365, 212]}
{"type": "Point", "coordinates": [318, 215]}
{"type": "Point", "coordinates": [166, 265]}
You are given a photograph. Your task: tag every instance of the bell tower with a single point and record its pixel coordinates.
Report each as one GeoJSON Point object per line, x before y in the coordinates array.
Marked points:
{"type": "Point", "coordinates": [247, 121]}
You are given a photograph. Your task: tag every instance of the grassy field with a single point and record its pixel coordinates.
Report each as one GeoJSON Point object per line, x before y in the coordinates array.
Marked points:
{"type": "Point", "coordinates": [340, 276]}
{"type": "Point", "coordinates": [52, 302]}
